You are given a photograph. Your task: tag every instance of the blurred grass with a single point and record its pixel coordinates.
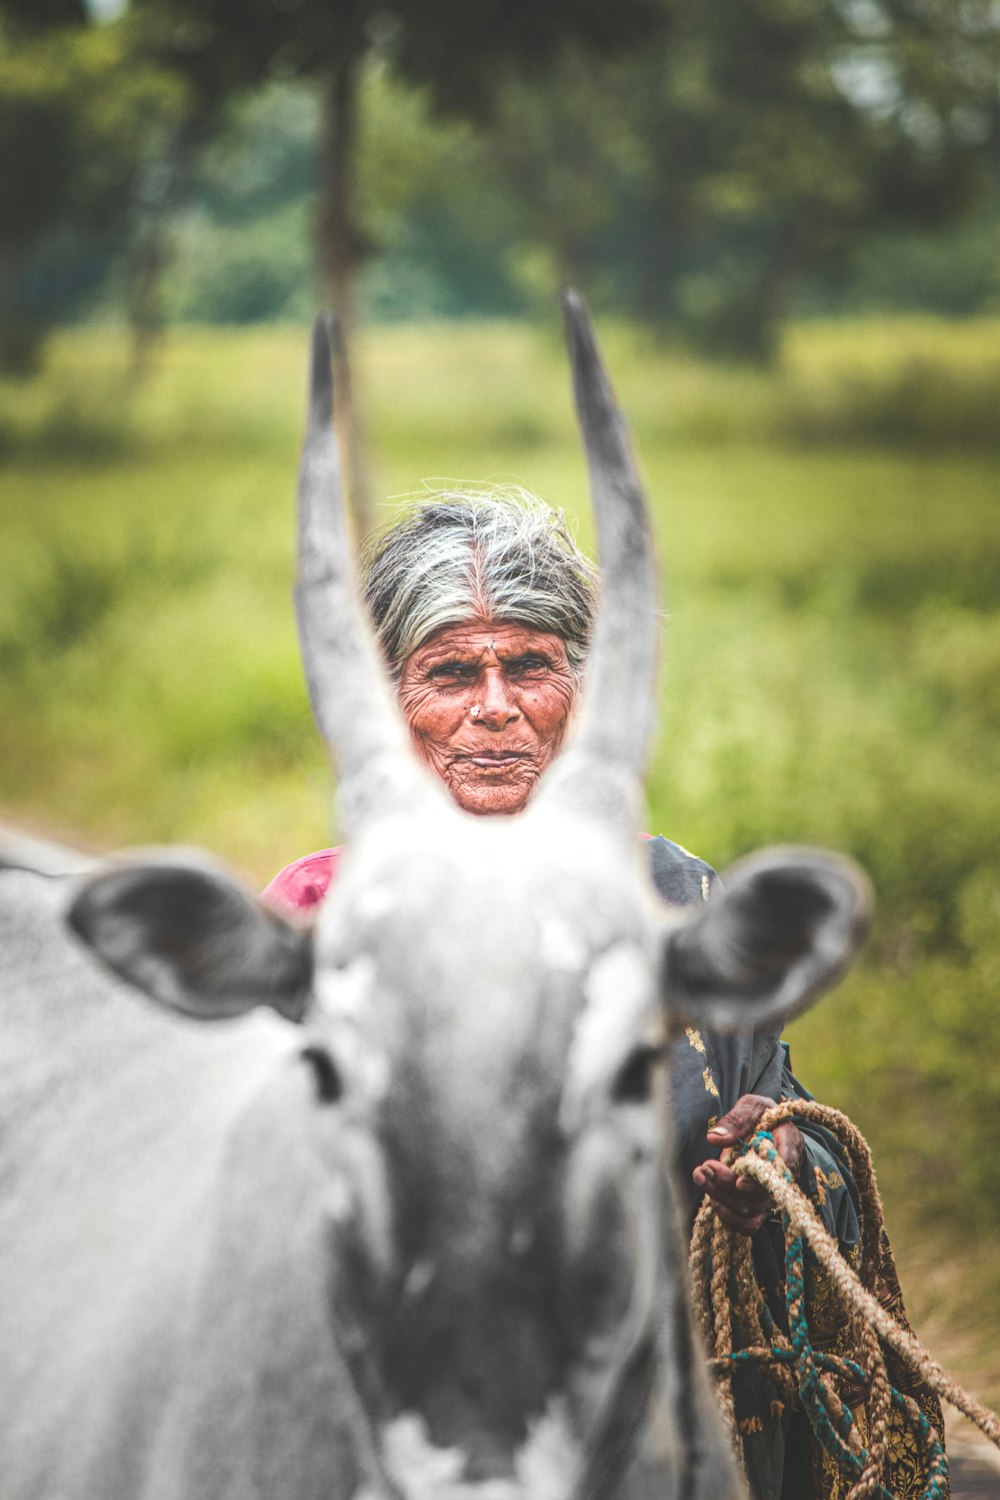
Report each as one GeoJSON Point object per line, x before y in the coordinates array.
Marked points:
{"type": "Point", "coordinates": [831, 534]}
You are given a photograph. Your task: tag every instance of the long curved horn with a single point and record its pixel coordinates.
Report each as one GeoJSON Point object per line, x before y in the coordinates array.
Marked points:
{"type": "Point", "coordinates": [378, 774]}
{"type": "Point", "coordinates": [600, 769]}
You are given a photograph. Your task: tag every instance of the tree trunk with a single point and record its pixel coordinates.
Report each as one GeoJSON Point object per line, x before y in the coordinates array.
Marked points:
{"type": "Point", "coordinates": [341, 251]}
{"type": "Point", "coordinates": [781, 272]}
{"type": "Point", "coordinates": [652, 299]}
{"type": "Point", "coordinates": [148, 258]}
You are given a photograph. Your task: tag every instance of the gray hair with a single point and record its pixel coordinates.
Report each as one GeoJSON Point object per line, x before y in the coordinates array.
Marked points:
{"type": "Point", "coordinates": [496, 554]}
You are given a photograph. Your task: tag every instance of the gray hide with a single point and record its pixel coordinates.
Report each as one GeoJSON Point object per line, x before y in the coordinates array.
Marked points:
{"type": "Point", "coordinates": [412, 1234]}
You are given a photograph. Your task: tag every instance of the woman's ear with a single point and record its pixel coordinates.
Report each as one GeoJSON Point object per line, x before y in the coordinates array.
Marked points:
{"type": "Point", "coordinates": [782, 930]}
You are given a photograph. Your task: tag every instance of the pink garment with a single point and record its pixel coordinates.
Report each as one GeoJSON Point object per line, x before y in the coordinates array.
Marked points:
{"type": "Point", "coordinates": [302, 885]}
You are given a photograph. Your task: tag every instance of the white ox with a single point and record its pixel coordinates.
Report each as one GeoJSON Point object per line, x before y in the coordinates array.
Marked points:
{"type": "Point", "coordinates": [409, 1233]}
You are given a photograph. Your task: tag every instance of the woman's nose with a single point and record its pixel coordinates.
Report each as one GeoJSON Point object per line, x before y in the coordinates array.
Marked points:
{"type": "Point", "coordinates": [498, 706]}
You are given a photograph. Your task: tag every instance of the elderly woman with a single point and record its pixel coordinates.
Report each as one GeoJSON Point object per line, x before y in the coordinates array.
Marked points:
{"type": "Point", "coordinates": [483, 606]}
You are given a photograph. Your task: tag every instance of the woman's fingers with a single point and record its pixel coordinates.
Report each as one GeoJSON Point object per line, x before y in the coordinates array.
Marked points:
{"type": "Point", "coordinates": [740, 1202]}
{"type": "Point", "coordinates": [790, 1145]}
{"type": "Point", "coordinates": [740, 1121]}
{"type": "Point", "coordinates": [741, 1194]}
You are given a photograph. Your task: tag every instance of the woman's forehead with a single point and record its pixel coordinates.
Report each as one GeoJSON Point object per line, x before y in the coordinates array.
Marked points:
{"type": "Point", "coordinates": [477, 638]}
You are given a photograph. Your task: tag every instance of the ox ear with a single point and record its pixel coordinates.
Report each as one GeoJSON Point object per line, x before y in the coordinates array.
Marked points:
{"type": "Point", "coordinates": [191, 937]}
{"type": "Point", "coordinates": [781, 931]}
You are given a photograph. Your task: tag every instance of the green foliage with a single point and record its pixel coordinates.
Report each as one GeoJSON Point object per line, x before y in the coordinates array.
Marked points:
{"type": "Point", "coordinates": [453, 236]}
{"type": "Point", "coordinates": [954, 272]}
{"type": "Point", "coordinates": [241, 247]}
{"type": "Point", "coordinates": [915, 383]}
{"type": "Point", "coordinates": [460, 53]}
{"type": "Point", "coordinates": [218, 277]}
{"type": "Point", "coordinates": [461, 56]}
{"type": "Point", "coordinates": [750, 158]}
{"type": "Point", "coordinates": [263, 160]}
{"type": "Point", "coordinates": [78, 121]}
{"type": "Point", "coordinates": [438, 222]}
{"type": "Point", "coordinates": [40, 15]}
{"type": "Point", "coordinates": [699, 183]}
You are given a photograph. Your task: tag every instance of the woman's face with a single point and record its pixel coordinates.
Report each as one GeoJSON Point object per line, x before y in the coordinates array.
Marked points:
{"type": "Point", "coordinates": [487, 705]}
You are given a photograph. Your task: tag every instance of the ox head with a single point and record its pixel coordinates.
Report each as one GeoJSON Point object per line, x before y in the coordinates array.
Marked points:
{"type": "Point", "coordinates": [483, 1004]}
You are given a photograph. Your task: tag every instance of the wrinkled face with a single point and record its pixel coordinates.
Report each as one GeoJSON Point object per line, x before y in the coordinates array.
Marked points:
{"type": "Point", "coordinates": [488, 705]}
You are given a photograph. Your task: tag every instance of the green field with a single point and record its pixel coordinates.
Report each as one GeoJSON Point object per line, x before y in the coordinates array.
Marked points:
{"type": "Point", "coordinates": [831, 535]}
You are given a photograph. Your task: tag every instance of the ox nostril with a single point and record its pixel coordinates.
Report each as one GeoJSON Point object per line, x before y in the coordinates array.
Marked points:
{"type": "Point", "coordinates": [473, 1386]}
{"type": "Point", "coordinates": [487, 1460]}
{"type": "Point", "coordinates": [326, 1077]}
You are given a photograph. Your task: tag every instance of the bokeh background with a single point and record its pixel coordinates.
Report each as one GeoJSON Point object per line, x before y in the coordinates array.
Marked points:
{"type": "Point", "coordinates": [786, 216]}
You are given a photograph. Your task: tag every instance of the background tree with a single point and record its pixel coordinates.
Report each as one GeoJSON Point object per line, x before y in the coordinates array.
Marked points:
{"type": "Point", "coordinates": [462, 54]}
{"type": "Point", "coordinates": [78, 120]}
{"type": "Point", "coordinates": [701, 181]}
{"type": "Point", "coordinates": [745, 151]}
{"type": "Point", "coordinates": [449, 236]}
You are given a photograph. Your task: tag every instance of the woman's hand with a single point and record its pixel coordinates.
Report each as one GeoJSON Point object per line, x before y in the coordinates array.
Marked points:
{"type": "Point", "coordinates": [740, 1202]}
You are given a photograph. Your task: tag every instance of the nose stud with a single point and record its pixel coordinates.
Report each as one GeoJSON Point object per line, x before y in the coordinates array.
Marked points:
{"type": "Point", "coordinates": [475, 711]}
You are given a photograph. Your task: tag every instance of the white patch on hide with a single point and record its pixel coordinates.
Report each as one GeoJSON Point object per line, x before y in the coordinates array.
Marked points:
{"type": "Point", "coordinates": [338, 1199]}
{"type": "Point", "coordinates": [620, 1010]}
{"type": "Point", "coordinates": [374, 902]}
{"type": "Point", "coordinates": [545, 1468]}
{"type": "Point", "coordinates": [344, 1003]}
{"type": "Point", "coordinates": [548, 1463]}
{"type": "Point", "coordinates": [417, 1465]}
{"type": "Point", "coordinates": [560, 947]}
{"type": "Point", "coordinates": [418, 1278]}
{"type": "Point", "coordinates": [345, 993]}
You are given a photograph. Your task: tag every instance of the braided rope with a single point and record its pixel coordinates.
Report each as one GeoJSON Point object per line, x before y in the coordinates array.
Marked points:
{"type": "Point", "coordinates": [855, 1295]}
{"type": "Point", "coordinates": [879, 1409]}
{"type": "Point", "coordinates": [719, 1302]}
{"type": "Point", "coordinates": [804, 1376]}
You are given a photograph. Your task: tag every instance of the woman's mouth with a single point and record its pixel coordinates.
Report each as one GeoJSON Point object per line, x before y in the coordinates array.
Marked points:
{"type": "Point", "coordinates": [492, 760]}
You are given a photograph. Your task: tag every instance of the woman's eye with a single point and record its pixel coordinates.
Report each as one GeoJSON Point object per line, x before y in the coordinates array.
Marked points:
{"type": "Point", "coordinates": [453, 671]}
{"type": "Point", "coordinates": [527, 666]}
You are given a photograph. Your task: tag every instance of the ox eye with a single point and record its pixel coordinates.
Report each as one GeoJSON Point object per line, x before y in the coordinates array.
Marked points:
{"type": "Point", "coordinates": [633, 1082]}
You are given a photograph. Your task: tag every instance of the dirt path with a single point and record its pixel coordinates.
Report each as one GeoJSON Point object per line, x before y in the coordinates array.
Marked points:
{"type": "Point", "coordinates": [974, 1476]}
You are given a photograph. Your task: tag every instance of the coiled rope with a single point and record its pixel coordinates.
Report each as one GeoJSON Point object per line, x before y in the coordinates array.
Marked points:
{"type": "Point", "coordinates": [727, 1298]}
